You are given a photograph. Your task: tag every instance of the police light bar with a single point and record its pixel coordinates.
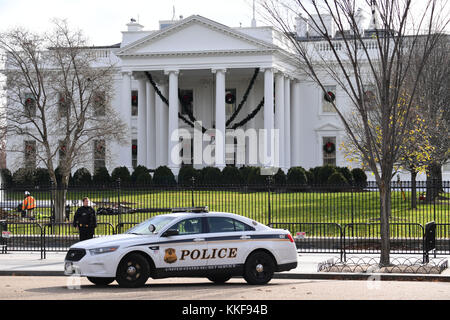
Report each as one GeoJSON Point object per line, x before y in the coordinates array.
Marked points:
{"type": "Point", "coordinates": [191, 209]}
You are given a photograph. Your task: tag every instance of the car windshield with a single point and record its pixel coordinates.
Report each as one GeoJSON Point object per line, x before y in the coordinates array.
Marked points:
{"type": "Point", "coordinates": [158, 221]}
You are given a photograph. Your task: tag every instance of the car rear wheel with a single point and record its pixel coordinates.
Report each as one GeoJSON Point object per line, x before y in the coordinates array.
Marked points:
{"type": "Point", "coordinates": [219, 279]}
{"type": "Point", "coordinates": [100, 281]}
{"type": "Point", "coordinates": [133, 271]}
{"type": "Point", "coordinates": [259, 268]}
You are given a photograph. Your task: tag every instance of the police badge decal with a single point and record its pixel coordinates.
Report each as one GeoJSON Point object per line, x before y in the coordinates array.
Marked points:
{"type": "Point", "coordinates": [170, 256]}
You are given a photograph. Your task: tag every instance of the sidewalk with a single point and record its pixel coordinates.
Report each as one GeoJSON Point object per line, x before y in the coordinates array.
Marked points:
{"type": "Point", "coordinates": [31, 264]}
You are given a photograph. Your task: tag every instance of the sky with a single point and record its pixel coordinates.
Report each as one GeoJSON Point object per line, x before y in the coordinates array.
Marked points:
{"type": "Point", "coordinates": [103, 20]}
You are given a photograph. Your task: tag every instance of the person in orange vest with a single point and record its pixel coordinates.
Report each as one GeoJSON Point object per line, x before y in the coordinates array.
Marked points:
{"type": "Point", "coordinates": [28, 205]}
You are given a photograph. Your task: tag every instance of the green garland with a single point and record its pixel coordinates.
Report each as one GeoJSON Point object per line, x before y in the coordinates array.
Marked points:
{"type": "Point", "coordinates": [164, 99]}
{"type": "Point", "coordinates": [244, 98]}
{"type": "Point", "coordinates": [250, 116]}
{"type": "Point", "coordinates": [192, 119]}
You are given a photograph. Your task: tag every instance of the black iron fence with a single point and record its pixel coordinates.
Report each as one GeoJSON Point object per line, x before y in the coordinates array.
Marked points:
{"type": "Point", "coordinates": [325, 218]}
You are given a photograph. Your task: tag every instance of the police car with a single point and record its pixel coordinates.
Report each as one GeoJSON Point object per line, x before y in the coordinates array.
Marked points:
{"type": "Point", "coordinates": [189, 242]}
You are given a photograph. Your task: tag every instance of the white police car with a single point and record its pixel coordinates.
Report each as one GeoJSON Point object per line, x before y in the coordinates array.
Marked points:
{"type": "Point", "coordinates": [189, 242]}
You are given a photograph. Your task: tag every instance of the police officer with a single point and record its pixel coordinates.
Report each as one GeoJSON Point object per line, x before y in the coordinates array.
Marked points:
{"type": "Point", "coordinates": [85, 220]}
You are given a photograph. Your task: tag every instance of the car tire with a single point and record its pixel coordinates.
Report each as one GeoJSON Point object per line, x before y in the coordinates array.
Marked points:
{"type": "Point", "coordinates": [259, 268]}
{"type": "Point", "coordinates": [100, 281]}
{"type": "Point", "coordinates": [133, 271]}
{"type": "Point", "coordinates": [219, 279]}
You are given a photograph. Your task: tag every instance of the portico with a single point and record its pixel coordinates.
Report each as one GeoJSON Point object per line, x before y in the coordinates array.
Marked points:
{"type": "Point", "coordinates": [213, 65]}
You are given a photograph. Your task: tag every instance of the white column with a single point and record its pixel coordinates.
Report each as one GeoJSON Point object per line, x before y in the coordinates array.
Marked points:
{"type": "Point", "coordinates": [173, 154]}
{"type": "Point", "coordinates": [251, 124]}
{"type": "Point", "coordinates": [125, 112]}
{"type": "Point", "coordinates": [142, 125]}
{"type": "Point", "coordinates": [295, 124]}
{"type": "Point", "coordinates": [268, 118]}
{"type": "Point", "coordinates": [279, 115]}
{"type": "Point", "coordinates": [161, 127]}
{"type": "Point", "coordinates": [220, 118]}
{"type": "Point", "coordinates": [287, 123]}
{"type": "Point", "coordinates": [150, 132]}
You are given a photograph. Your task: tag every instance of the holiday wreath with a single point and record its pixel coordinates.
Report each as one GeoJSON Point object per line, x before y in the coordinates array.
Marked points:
{"type": "Point", "coordinates": [329, 147]}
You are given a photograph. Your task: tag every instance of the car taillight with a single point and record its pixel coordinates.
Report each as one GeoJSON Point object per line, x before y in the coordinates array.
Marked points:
{"type": "Point", "coordinates": [290, 237]}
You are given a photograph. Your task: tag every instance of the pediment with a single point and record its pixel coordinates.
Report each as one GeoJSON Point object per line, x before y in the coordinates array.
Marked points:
{"type": "Point", "coordinates": [328, 127]}
{"type": "Point", "coordinates": [194, 34]}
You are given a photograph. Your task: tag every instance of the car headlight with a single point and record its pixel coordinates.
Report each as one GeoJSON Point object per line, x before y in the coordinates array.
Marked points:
{"type": "Point", "coordinates": [103, 250]}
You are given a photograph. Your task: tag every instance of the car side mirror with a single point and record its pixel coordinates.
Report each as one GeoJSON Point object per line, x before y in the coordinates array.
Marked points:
{"type": "Point", "coordinates": [170, 232]}
{"type": "Point", "coordinates": [151, 228]}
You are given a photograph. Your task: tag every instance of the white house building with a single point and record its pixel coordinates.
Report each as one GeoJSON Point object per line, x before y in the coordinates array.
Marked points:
{"type": "Point", "coordinates": [198, 71]}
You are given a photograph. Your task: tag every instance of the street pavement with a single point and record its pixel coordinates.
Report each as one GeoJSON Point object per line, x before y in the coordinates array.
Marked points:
{"type": "Point", "coordinates": [31, 264]}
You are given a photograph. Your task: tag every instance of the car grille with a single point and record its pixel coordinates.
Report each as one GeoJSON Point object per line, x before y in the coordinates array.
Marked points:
{"type": "Point", "coordinates": [75, 254]}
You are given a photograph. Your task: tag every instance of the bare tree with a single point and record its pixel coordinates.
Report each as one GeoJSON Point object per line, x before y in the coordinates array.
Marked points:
{"type": "Point", "coordinates": [58, 97]}
{"type": "Point", "coordinates": [433, 94]}
{"type": "Point", "coordinates": [358, 59]}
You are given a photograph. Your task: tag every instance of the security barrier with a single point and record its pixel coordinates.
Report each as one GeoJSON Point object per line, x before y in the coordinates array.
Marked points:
{"type": "Point", "coordinates": [309, 237]}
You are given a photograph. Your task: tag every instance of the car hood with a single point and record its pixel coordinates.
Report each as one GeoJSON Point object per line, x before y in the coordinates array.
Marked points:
{"type": "Point", "coordinates": [114, 240]}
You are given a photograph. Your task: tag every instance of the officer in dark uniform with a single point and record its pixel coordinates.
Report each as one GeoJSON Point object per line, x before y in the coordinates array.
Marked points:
{"type": "Point", "coordinates": [85, 220]}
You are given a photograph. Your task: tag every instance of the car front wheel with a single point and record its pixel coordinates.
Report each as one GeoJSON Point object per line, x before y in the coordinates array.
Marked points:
{"type": "Point", "coordinates": [259, 268]}
{"type": "Point", "coordinates": [133, 271]}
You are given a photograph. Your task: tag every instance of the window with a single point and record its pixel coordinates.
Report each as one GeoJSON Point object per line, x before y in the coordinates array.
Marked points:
{"type": "Point", "coordinates": [99, 103]}
{"type": "Point", "coordinates": [230, 102]}
{"type": "Point", "coordinates": [222, 224]}
{"type": "Point", "coordinates": [63, 106]}
{"type": "Point", "coordinates": [187, 100]}
{"type": "Point", "coordinates": [99, 154]}
{"type": "Point", "coordinates": [158, 221]}
{"type": "Point", "coordinates": [230, 150]}
{"type": "Point", "coordinates": [329, 151]}
{"type": "Point", "coordinates": [187, 151]}
{"type": "Point", "coordinates": [30, 154]}
{"type": "Point", "coordinates": [62, 152]}
{"type": "Point", "coordinates": [134, 152]}
{"type": "Point", "coordinates": [446, 167]}
{"type": "Point", "coordinates": [328, 98]}
{"type": "Point", "coordinates": [370, 97]}
{"type": "Point", "coordinates": [30, 105]}
{"type": "Point", "coordinates": [134, 102]}
{"type": "Point", "coordinates": [188, 226]}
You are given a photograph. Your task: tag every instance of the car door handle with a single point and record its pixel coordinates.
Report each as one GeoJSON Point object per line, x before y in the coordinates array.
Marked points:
{"type": "Point", "coordinates": [245, 237]}
{"type": "Point", "coordinates": [199, 239]}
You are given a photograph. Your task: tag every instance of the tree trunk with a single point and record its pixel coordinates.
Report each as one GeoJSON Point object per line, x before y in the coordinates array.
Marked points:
{"type": "Point", "coordinates": [434, 182]}
{"type": "Point", "coordinates": [385, 205]}
{"type": "Point", "coordinates": [413, 189]}
{"type": "Point", "coordinates": [60, 204]}
{"type": "Point", "coordinates": [59, 197]}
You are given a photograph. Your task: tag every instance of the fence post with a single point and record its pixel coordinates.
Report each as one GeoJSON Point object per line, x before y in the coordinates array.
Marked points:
{"type": "Point", "coordinates": [53, 192]}
{"type": "Point", "coordinates": [353, 213]}
{"type": "Point", "coordinates": [435, 195]}
{"type": "Point", "coordinates": [269, 180]}
{"type": "Point", "coordinates": [119, 208]}
{"type": "Point", "coordinates": [43, 247]}
{"type": "Point", "coordinates": [192, 191]}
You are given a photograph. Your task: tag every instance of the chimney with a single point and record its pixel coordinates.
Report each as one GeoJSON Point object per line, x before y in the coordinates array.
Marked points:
{"type": "Point", "coordinates": [253, 19]}
{"type": "Point", "coordinates": [360, 20]}
{"type": "Point", "coordinates": [134, 26]}
{"type": "Point", "coordinates": [328, 22]}
{"type": "Point", "coordinates": [302, 26]}
{"type": "Point", "coordinates": [374, 20]}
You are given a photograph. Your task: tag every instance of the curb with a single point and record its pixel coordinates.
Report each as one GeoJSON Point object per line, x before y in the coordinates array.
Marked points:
{"type": "Point", "coordinates": [31, 273]}
{"type": "Point", "coordinates": [364, 276]}
{"type": "Point", "coordinates": [298, 276]}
